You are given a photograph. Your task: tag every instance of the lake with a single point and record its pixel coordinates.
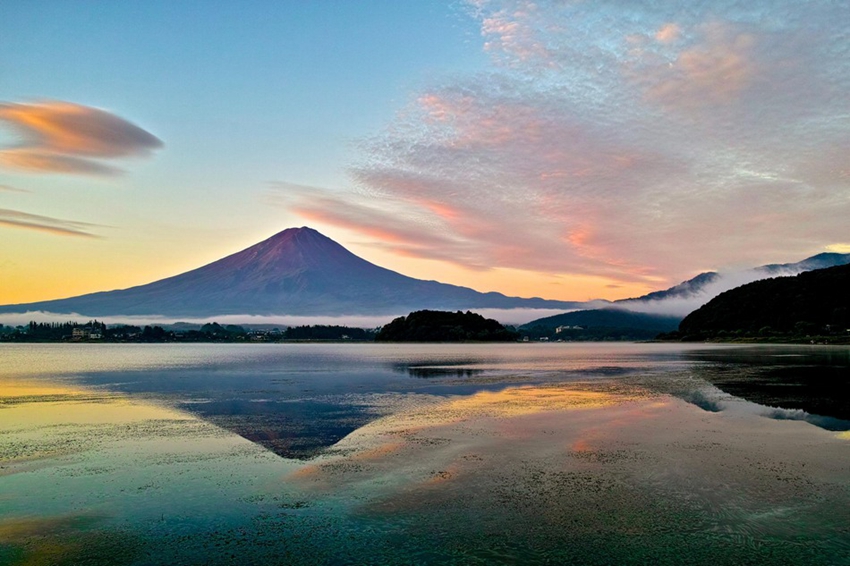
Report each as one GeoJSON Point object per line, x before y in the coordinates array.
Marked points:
{"type": "Point", "coordinates": [608, 453]}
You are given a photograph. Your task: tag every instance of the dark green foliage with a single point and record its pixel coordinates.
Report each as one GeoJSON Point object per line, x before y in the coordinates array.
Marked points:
{"type": "Point", "coordinates": [601, 324]}
{"type": "Point", "coordinates": [154, 334]}
{"type": "Point", "coordinates": [442, 326]}
{"type": "Point", "coordinates": [812, 303]}
{"type": "Point", "coordinates": [324, 332]}
{"type": "Point", "coordinates": [215, 329]}
{"type": "Point", "coordinates": [54, 331]}
{"type": "Point", "coordinates": [90, 331]}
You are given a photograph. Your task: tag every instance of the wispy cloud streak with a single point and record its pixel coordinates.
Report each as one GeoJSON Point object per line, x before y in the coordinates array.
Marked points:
{"type": "Point", "coordinates": [11, 189]}
{"type": "Point", "coordinates": [56, 226]}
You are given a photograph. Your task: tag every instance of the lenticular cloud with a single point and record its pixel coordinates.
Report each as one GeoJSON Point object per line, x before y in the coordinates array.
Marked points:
{"type": "Point", "coordinates": [62, 137]}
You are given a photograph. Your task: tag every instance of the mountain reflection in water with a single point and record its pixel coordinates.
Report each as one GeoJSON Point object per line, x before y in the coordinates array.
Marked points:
{"type": "Point", "coordinates": [330, 454]}
{"type": "Point", "coordinates": [797, 379]}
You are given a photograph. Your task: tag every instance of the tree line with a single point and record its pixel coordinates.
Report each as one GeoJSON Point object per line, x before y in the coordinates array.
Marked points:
{"type": "Point", "coordinates": [210, 332]}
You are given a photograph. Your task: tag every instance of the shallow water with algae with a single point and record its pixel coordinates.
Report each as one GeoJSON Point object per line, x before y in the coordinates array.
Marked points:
{"type": "Point", "coordinates": [424, 454]}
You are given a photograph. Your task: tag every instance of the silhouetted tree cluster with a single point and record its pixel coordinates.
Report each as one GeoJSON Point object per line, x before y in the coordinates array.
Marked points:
{"type": "Point", "coordinates": [209, 332]}
{"type": "Point", "coordinates": [155, 334]}
{"type": "Point", "coordinates": [50, 331]}
{"type": "Point", "coordinates": [441, 326]}
{"type": "Point", "coordinates": [324, 332]}
{"type": "Point", "coordinates": [92, 330]}
{"type": "Point", "coordinates": [215, 329]}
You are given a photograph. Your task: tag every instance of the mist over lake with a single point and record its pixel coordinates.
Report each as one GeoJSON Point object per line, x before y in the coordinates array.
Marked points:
{"type": "Point", "coordinates": [372, 453]}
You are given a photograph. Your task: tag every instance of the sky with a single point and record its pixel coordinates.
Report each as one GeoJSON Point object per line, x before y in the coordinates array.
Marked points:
{"type": "Point", "coordinates": [567, 149]}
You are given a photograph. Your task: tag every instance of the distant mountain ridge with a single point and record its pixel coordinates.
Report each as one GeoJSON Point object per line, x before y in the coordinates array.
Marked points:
{"type": "Point", "coordinates": [687, 288]}
{"type": "Point", "coordinates": [295, 272]}
{"type": "Point", "coordinates": [661, 311]}
{"type": "Point", "coordinates": [819, 261]}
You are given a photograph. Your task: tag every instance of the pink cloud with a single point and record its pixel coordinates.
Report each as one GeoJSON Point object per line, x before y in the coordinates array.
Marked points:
{"type": "Point", "coordinates": [389, 224]}
{"type": "Point", "coordinates": [616, 140]}
{"type": "Point", "coordinates": [62, 137]}
{"type": "Point", "coordinates": [49, 162]}
{"type": "Point", "coordinates": [511, 31]}
{"type": "Point", "coordinates": [668, 33]}
{"type": "Point", "coordinates": [716, 74]}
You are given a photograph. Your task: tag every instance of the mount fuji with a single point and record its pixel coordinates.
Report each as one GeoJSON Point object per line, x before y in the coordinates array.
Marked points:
{"type": "Point", "coordinates": [295, 272]}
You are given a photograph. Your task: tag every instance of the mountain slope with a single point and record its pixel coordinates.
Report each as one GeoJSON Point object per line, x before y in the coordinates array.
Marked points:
{"type": "Point", "coordinates": [693, 293]}
{"type": "Point", "coordinates": [610, 318]}
{"type": "Point", "coordinates": [810, 300]}
{"type": "Point", "coordinates": [601, 324]}
{"type": "Point", "coordinates": [295, 272]}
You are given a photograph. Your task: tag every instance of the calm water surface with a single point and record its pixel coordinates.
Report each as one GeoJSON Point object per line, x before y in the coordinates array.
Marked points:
{"type": "Point", "coordinates": [417, 454]}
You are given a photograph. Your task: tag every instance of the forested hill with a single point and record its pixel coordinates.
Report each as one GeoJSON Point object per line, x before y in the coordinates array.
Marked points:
{"type": "Point", "coordinates": [815, 302]}
{"type": "Point", "coordinates": [601, 324]}
{"type": "Point", "coordinates": [441, 326]}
